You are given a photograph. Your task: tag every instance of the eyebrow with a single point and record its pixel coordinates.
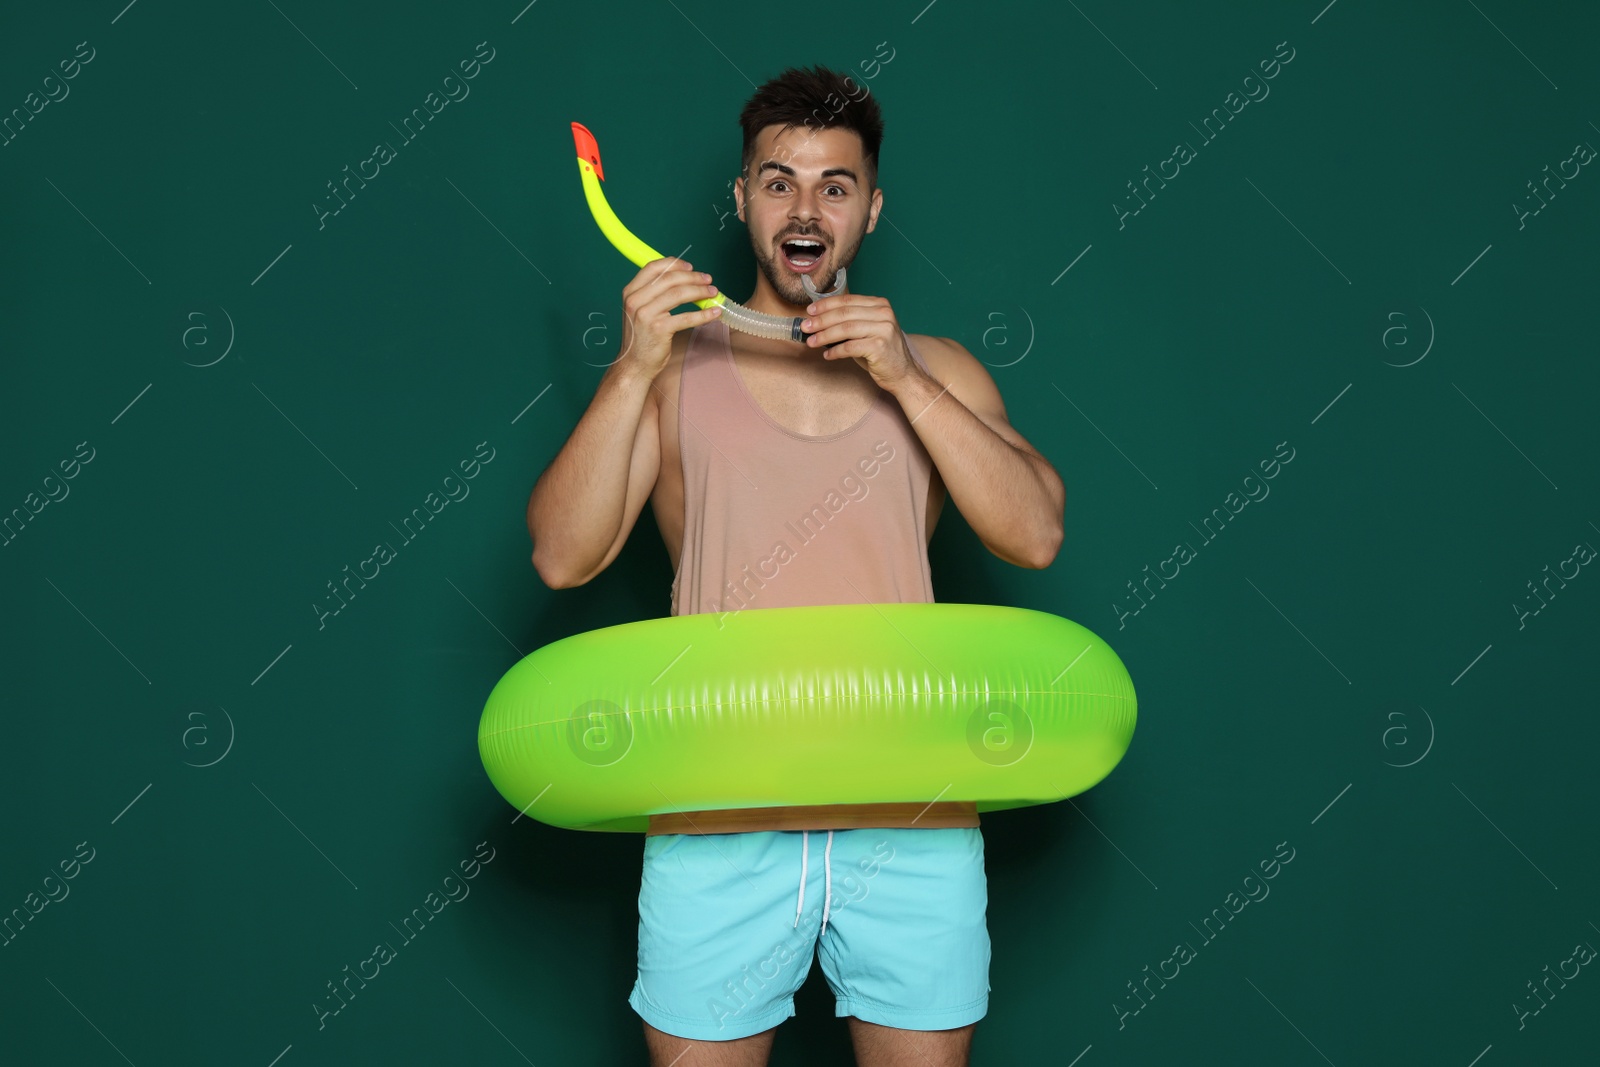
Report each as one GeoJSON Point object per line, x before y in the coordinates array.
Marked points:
{"type": "Point", "coordinates": [829, 173]}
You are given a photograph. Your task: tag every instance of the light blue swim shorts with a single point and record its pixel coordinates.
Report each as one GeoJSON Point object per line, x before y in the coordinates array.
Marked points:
{"type": "Point", "coordinates": [729, 924]}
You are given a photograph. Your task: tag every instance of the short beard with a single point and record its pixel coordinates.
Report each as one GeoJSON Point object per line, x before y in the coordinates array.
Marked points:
{"type": "Point", "coordinates": [789, 286]}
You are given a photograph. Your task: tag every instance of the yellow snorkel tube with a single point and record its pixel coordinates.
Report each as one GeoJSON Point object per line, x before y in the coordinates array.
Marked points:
{"type": "Point", "coordinates": [735, 314]}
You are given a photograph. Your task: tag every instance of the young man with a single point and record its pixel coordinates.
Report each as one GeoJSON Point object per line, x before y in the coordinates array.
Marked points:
{"type": "Point", "coordinates": [787, 473]}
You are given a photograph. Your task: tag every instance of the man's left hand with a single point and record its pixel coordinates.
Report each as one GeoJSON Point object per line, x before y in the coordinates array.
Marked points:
{"type": "Point", "coordinates": [862, 328]}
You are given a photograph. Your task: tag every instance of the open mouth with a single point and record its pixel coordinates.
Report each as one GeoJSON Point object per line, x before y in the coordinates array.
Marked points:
{"type": "Point", "coordinates": [802, 254]}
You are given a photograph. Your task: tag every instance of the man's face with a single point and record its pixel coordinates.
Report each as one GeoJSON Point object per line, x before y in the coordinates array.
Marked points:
{"type": "Point", "coordinates": [811, 184]}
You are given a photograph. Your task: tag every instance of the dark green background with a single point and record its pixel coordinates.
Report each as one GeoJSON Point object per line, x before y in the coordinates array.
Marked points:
{"type": "Point", "coordinates": [1247, 305]}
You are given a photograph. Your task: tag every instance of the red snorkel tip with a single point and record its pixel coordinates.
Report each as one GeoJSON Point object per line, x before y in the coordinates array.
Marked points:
{"type": "Point", "coordinates": [587, 148]}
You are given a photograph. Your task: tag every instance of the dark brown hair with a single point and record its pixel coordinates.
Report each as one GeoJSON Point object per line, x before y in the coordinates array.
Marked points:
{"type": "Point", "coordinates": [817, 98]}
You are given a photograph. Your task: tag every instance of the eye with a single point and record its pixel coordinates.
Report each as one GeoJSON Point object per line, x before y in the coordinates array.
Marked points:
{"type": "Point", "coordinates": [778, 185]}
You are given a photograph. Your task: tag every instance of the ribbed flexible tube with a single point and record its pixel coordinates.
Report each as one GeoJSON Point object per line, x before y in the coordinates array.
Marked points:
{"type": "Point", "coordinates": [738, 317]}
{"type": "Point", "coordinates": [775, 327]}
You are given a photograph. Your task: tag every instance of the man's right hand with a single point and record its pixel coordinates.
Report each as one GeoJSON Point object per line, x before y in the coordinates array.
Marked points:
{"type": "Point", "coordinates": [648, 323]}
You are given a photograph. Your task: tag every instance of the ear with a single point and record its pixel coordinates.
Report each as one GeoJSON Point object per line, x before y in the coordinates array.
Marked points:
{"type": "Point", "coordinates": [872, 212]}
{"type": "Point", "coordinates": [738, 196]}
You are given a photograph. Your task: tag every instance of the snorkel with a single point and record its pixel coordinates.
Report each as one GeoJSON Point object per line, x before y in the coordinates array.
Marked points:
{"type": "Point", "coordinates": [736, 315]}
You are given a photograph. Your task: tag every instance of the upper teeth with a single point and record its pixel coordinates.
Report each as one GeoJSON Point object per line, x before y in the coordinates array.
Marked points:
{"type": "Point", "coordinates": [803, 241]}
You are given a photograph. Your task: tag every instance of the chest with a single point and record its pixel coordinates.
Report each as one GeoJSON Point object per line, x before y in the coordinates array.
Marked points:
{"type": "Point", "coordinates": [814, 407]}
{"type": "Point", "coordinates": [809, 400]}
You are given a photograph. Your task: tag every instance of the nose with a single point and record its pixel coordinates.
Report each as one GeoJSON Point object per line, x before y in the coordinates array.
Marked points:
{"type": "Point", "coordinates": [805, 209]}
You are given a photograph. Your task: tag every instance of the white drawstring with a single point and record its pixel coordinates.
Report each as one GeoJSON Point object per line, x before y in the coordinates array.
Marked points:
{"type": "Point", "coordinates": [805, 839]}
{"type": "Point", "coordinates": [827, 870]}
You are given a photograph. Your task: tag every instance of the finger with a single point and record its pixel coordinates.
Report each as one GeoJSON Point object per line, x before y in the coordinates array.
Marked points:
{"type": "Point", "coordinates": [686, 320]}
{"type": "Point", "coordinates": [845, 331]}
{"type": "Point", "coordinates": [668, 263]}
{"type": "Point", "coordinates": [834, 316]}
{"type": "Point", "coordinates": [646, 285]}
{"type": "Point", "coordinates": [670, 296]}
{"type": "Point", "coordinates": [683, 289]}
{"type": "Point", "coordinates": [653, 271]}
{"type": "Point", "coordinates": [843, 300]}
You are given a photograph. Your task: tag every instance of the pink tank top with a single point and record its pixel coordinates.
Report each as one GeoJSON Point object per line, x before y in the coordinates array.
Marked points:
{"type": "Point", "coordinates": [774, 518]}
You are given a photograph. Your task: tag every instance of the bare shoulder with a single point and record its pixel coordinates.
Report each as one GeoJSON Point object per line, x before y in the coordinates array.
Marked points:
{"type": "Point", "coordinates": [969, 381]}
{"type": "Point", "coordinates": [665, 390]}
{"type": "Point", "coordinates": [949, 361]}
{"type": "Point", "coordinates": [672, 373]}
{"type": "Point", "coordinates": [665, 386]}
{"type": "Point", "coordinates": [941, 350]}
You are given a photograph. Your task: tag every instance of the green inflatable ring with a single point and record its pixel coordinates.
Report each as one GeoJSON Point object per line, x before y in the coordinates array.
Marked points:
{"type": "Point", "coordinates": [832, 704]}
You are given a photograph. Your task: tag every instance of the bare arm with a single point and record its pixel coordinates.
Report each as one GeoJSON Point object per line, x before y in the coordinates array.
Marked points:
{"type": "Point", "coordinates": [1009, 494]}
{"type": "Point", "coordinates": [585, 503]}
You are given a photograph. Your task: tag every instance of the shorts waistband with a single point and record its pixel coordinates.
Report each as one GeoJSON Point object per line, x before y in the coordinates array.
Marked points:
{"type": "Point", "coordinates": [910, 815]}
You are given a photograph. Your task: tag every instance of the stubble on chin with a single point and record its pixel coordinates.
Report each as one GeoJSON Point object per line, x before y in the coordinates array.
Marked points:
{"type": "Point", "coordinates": [790, 290]}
